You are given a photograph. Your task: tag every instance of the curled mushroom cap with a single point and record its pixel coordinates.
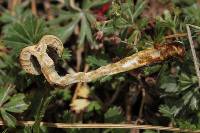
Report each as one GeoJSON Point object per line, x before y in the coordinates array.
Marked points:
{"type": "Point", "coordinates": [42, 53]}
{"type": "Point", "coordinates": [53, 42]}
{"type": "Point", "coordinates": [26, 60]}
{"type": "Point", "coordinates": [29, 54]}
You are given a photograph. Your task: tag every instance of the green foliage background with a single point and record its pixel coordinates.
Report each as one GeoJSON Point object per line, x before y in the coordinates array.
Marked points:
{"type": "Point", "coordinates": [171, 88]}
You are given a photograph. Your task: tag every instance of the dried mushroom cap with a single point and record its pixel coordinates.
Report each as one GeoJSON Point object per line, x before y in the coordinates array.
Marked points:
{"type": "Point", "coordinates": [27, 61]}
{"type": "Point", "coordinates": [28, 56]}
{"type": "Point", "coordinates": [50, 46]}
{"type": "Point", "coordinates": [53, 42]}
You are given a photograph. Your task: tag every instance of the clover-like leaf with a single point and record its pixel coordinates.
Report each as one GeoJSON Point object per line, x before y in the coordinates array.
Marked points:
{"type": "Point", "coordinates": [16, 104]}
{"type": "Point", "coordinates": [68, 23]}
{"type": "Point", "coordinates": [113, 114]}
{"type": "Point", "coordinates": [13, 104]}
{"type": "Point", "coordinates": [87, 4]}
{"type": "Point", "coordinates": [8, 18]}
{"type": "Point", "coordinates": [167, 111]}
{"type": "Point", "coordinates": [8, 118]}
{"type": "Point", "coordinates": [96, 62]}
{"type": "Point", "coordinates": [23, 33]}
{"type": "Point", "coordinates": [169, 87]}
{"type": "Point", "coordinates": [66, 31]}
{"type": "Point", "coordinates": [94, 105]}
{"type": "Point", "coordinates": [4, 95]}
{"type": "Point", "coordinates": [66, 54]}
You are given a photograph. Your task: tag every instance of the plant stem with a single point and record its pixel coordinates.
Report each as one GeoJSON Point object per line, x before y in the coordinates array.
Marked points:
{"type": "Point", "coordinates": [193, 53]}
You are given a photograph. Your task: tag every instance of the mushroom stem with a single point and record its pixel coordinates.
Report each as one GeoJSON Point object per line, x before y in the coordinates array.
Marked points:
{"type": "Point", "coordinates": [47, 66]}
{"type": "Point", "coordinates": [142, 58]}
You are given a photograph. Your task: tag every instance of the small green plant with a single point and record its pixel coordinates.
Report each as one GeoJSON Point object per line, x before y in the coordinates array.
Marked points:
{"type": "Point", "coordinates": [11, 103]}
{"type": "Point", "coordinates": [73, 17]}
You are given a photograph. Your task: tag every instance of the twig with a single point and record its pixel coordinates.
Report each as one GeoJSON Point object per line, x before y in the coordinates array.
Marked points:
{"type": "Point", "coordinates": [193, 53]}
{"type": "Point", "coordinates": [102, 125]}
{"type": "Point", "coordinates": [142, 103]}
{"type": "Point", "coordinates": [3, 50]}
{"type": "Point", "coordinates": [76, 91]}
{"type": "Point", "coordinates": [142, 89]}
{"type": "Point", "coordinates": [79, 84]}
{"type": "Point", "coordinates": [33, 7]}
{"type": "Point", "coordinates": [131, 98]}
{"type": "Point", "coordinates": [47, 7]}
{"type": "Point", "coordinates": [12, 4]}
{"type": "Point", "coordinates": [79, 57]}
{"type": "Point", "coordinates": [115, 95]}
{"type": "Point", "coordinates": [176, 35]}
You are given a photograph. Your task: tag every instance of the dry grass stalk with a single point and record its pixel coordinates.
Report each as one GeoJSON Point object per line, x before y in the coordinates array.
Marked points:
{"type": "Point", "coordinates": [193, 51]}
{"type": "Point", "coordinates": [104, 125]}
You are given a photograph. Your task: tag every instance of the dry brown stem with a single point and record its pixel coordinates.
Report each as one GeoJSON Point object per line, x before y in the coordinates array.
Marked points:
{"type": "Point", "coordinates": [34, 7]}
{"type": "Point", "coordinates": [193, 52]}
{"type": "Point", "coordinates": [47, 7]}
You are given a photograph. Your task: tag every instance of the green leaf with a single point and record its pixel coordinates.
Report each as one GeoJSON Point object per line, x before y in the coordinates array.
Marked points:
{"type": "Point", "coordinates": [151, 69]}
{"type": "Point", "coordinates": [41, 111]}
{"type": "Point", "coordinates": [65, 94]}
{"type": "Point", "coordinates": [183, 88]}
{"type": "Point", "coordinates": [183, 76]}
{"type": "Point", "coordinates": [135, 34]}
{"type": "Point", "coordinates": [113, 115]}
{"type": "Point", "coordinates": [26, 32]}
{"type": "Point", "coordinates": [105, 79]}
{"type": "Point", "coordinates": [192, 14]}
{"type": "Point", "coordinates": [194, 103]}
{"type": "Point", "coordinates": [91, 18]}
{"type": "Point", "coordinates": [139, 7]}
{"type": "Point", "coordinates": [87, 4]}
{"type": "Point", "coordinates": [66, 31]}
{"type": "Point", "coordinates": [128, 9]}
{"type": "Point", "coordinates": [169, 87]}
{"type": "Point", "coordinates": [8, 118]}
{"type": "Point", "coordinates": [5, 131]}
{"type": "Point", "coordinates": [63, 16]}
{"type": "Point", "coordinates": [94, 105]}
{"type": "Point", "coordinates": [96, 62]}
{"type": "Point", "coordinates": [166, 111]}
{"type": "Point", "coordinates": [184, 2]}
{"type": "Point", "coordinates": [150, 131]}
{"type": "Point", "coordinates": [168, 21]}
{"type": "Point", "coordinates": [185, 80]}
{"type": "Point", "coordinates": [121, 23]}
{"type": "Point", "coordinates": [16, 104]}
{"type": "Point", "coordinates": [8, 18]}
{"type": "Point", "coordinates": [4, 95]}
{"type": "Point", "coordinates": [66, 54]}
{"type": "Point", "coordinates": [68, 116]}
{"type": "Point", "coordinates": [85, 32]}
{"type": "Point", "coordinates": [27, 129]}
{"type": "Point", "coordinates": [185, 124]}
{"type": "Point", "coordinates": [82, 32]}
{"type": "Point", "coordinates": [187, 97]}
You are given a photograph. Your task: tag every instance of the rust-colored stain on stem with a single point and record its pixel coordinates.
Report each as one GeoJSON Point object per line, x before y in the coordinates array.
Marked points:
{"type": "Point", "coordinates": [39, 51]}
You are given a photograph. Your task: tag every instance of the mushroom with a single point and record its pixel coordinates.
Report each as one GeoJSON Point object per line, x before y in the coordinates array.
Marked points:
{"type": "Point", "coordinates": [46, 64]}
